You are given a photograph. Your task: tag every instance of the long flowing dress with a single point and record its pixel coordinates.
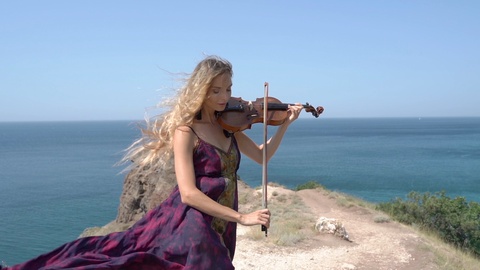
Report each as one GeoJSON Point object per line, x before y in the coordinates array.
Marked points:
{"type": "Point", "coordinates": [170, 236]}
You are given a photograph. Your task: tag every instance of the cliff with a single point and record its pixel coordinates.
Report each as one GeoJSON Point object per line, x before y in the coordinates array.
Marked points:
{"type": "Point", "coordinates": [374, 240]}
{"type": "Point", "coordinates": [142, 191]}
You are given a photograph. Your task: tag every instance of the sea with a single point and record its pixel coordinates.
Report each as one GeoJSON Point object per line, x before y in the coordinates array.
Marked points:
{"type": "Point", "coordinates": [58, 178]}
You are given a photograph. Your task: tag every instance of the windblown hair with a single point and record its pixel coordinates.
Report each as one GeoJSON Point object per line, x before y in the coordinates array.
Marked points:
{"type": "Point", "coordinates": [154, 150]}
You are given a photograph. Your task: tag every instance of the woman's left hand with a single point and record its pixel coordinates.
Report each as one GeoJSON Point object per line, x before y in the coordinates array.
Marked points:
{"type": "Point", "coordinates": [294, 112]}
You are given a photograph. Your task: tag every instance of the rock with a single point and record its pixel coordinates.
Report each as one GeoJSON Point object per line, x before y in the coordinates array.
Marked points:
{"type": "Point", "coordinates": [109, 228]}
{"type": "Point", "coordinates": [142, 191]}
{"type": "Point", "coordinates": [332, 226]}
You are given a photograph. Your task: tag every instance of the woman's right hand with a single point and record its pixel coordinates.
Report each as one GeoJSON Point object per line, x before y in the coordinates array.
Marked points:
{"type": "Point", "coordinates": [259, 217]}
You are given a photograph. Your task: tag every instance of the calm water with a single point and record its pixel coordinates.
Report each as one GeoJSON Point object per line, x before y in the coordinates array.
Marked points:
{"type": "Point", "coordinates": [57, 178]}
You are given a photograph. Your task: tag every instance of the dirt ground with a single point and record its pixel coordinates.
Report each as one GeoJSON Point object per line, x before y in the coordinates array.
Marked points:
{"type": "Point", "coordinates": [374, 245]}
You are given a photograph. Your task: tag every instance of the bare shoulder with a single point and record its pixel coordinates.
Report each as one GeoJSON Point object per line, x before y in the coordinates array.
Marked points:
{"type": "Point", "coordinates": [184, 134]}
{"type": "Point", "coordinates": [184, 129]}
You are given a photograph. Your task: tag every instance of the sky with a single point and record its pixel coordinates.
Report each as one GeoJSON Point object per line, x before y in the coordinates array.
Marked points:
{"type": "Point", "coordinates": [115, 60]}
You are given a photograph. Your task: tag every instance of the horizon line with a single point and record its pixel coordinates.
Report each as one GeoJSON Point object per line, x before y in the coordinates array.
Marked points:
{"type": "Point", "coordinates": [300, 118]}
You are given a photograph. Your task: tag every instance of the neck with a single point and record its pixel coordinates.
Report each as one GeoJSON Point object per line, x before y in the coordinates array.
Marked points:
{"type": "Point", "coordinates": [209, 116]}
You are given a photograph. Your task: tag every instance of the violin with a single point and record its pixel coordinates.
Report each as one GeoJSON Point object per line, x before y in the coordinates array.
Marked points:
{"type": "Point", "coordinates": [240, 114]}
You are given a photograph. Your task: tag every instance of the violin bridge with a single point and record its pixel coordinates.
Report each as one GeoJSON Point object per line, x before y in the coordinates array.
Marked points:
{"type": "Point", "coordinates": [250, 105]}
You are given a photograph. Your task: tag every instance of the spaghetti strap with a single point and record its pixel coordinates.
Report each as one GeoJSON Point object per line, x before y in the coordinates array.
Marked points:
{"type": "Point", "coordinates": [227, 133]}
{"type": "Point", "coordinates": [191, 128]}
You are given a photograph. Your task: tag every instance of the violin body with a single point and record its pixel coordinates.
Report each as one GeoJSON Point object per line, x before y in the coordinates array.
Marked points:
{"type": "Point", "coordinates": [240, 114]}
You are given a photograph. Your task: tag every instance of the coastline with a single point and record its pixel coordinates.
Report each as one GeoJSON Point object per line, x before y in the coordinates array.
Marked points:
{"type": "Point", "coordinates": [52, 173]}
{"type": "Point", "coordinates": [375, 241]}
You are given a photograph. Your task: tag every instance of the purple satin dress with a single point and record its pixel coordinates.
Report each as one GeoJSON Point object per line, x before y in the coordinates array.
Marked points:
{"type": "Point", "coordinates": [170, 236]}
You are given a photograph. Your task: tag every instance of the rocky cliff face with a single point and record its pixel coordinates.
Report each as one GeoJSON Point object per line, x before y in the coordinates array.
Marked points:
{"type": "Point", "coordinates": [142, 191]}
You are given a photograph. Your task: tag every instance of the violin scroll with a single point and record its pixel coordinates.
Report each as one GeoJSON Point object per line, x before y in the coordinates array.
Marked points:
{"type": "Point", "coordinates": [315, 111]}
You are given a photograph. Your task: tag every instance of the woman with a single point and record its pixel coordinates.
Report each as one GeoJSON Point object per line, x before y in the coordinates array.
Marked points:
{"type": "Point", "coordinates": [195, 227]}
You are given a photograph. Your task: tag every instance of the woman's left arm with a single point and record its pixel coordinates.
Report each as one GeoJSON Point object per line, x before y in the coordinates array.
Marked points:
{"type": "Point", "coordinates": [254, 151]}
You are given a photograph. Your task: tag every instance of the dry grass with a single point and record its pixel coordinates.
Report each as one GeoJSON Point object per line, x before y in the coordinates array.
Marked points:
{"type": "Point", "coordinates": [381, 219]}
{"type": "Point", "coordinates": [290, 222]}
{"type": "Point", "coordinates": [348, 201]}
{"type": "Point", "coordinates": [447, 257]}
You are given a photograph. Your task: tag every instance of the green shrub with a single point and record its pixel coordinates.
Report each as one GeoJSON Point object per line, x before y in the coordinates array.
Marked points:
{"type": "Point", "coordinates": [456, 221]}
{"type": "Point", "coordinates": [309, 185]}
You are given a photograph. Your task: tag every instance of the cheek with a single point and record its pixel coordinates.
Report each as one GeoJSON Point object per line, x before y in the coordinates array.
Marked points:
{"type": "Point", "coordinates": [208, 95]}
{"type": "Point", "coordinates": [211, 100]}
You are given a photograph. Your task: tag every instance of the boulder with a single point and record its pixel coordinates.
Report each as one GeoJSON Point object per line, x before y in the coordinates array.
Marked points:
{"type": "Point", "coordinates": [332, 226]}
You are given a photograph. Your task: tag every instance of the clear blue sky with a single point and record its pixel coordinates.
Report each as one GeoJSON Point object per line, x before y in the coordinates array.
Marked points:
{"type": "Point", "coordinates": [107, 60]}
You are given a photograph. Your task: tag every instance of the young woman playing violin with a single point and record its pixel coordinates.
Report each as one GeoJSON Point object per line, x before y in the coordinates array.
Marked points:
{"type": "Point", "coordinates": [195, 227]}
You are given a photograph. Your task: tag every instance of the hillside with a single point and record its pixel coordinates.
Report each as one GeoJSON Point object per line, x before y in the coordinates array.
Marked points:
{"type": "Point", "coordinates": [376, 241]}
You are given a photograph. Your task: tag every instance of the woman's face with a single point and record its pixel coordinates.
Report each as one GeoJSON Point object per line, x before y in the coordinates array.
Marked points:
{"type": "Point", "coordinates": [219, 93]}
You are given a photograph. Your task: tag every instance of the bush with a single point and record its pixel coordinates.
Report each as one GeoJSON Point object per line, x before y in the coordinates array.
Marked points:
{"type": "Point", "coordinates": [456, 221]}
{"type": "Point", "coordinates": [308, 185]}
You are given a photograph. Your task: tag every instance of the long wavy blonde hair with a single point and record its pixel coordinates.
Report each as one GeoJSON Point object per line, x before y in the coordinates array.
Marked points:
{"type": "Point", "coordinates": [154, 150]}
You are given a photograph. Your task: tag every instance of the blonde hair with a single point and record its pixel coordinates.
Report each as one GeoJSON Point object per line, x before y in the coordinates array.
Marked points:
{"type": "Point", "coordinates": [154, 150]}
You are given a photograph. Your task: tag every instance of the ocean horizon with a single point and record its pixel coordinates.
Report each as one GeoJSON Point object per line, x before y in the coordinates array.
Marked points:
{"type": "Point", "coordinates": [59, 178]}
